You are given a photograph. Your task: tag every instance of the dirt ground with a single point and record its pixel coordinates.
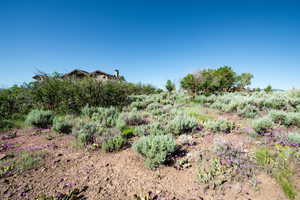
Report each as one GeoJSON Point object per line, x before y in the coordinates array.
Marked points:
{"type": "Point", "coordinates": [114, 176]}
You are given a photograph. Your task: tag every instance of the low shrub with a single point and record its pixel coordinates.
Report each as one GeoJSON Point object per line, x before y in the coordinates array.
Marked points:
{"type": "Point", "coordinates": [262, 125]}
{"type": "Point", "coordinates": [248, 111]}
{"type": "Point", "coordinates": [106, 116]}
{"type": "Point", "coordinates": [285, 118]}
{"type": "Point", "coordinates": [141, 130]}
{"type": "Point", "coordinates": [156, 128]}
{"type": "Point", "coordinates": [220, 125]}
{"type": "Point", "coordinates": [278, 117]}
{"type": "Point", "coordinates": [88, 110]}
{"type": "Point", "coordinates": [85, 132]}
{"type": "Point", "coordinates": [127, 132]}
{"type": "Point", "coordinates": [294, 138]}
{"type": "Point", "coordinates": [186, 140]}
{"type": "Point", "coordinates": [155, 148]}
{"type": "Point", "coordinates": [182, 124]}
{"type": "Point", "coordinates": [61, 125]}
{"type": "Point", "coordinates": [27, 161]}
{"type": "Point", "coordinates": [40, 118]}
{"type": "Point", "coordinates": [113, 144]}
{"type": "Point", "coordinates": [6, 124]}
{"type": "Point", "coordinates": [133, 118]}
{"type": "Point", "coordinates": [292, 119]}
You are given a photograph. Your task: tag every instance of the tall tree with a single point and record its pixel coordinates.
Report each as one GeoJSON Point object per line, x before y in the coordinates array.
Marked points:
{"type": "Point", "coordinates": [170, 86]}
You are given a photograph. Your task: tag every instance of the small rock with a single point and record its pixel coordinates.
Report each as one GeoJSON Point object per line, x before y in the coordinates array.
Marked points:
{"type": "Point", "coordinates": [56, 161]}
{"type": "Point", "coordinates": [60, 154]}
{"type": "Point", "coordinates": [6, 181]}
{"type": "Point", "coordinates": [2, 156]}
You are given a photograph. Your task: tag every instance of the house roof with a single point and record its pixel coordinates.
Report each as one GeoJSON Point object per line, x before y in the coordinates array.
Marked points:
{"type": "Point", "coordinates": [97, 72]}
{"type": "Point", "coordinates": [76, 72]}
{"type": "Point", "coordinates": [39, 77]}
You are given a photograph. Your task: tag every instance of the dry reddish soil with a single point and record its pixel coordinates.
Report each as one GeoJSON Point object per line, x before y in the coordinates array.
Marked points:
{"type": "Point", "coordinates": [116, 176]}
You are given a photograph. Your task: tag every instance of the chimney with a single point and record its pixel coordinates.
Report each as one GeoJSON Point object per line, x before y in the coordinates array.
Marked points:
{"type": "Point", "coordinates": [117, 73]}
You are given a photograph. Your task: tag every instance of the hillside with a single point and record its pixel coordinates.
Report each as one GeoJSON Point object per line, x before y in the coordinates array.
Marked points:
{"type": "Point", "coordinates": [234, 146]}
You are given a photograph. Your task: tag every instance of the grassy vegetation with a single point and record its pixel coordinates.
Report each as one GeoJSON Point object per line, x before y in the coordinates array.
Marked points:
{"type": "Point", "coordinates": [23, 162]}
{"type": "Point", "coordinates": [276, 163]}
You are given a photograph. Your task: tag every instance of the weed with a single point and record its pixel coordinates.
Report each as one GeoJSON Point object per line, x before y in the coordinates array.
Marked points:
{"type": "Point", "coordinates": [200, 117]}
{"type": "Point", "coordinates": [276, 163]}
{"type": "Point", "coordinates": [27, 161]}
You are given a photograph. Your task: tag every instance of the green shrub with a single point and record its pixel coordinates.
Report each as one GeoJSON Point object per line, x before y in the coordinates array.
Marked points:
{"type": "Point", "coordinates": [298, 108]}
{"type": "Point", "coordinates": [182, 124]}
{"type": "Point", "coordinates": [70, 96]}
{"type": "Point", "coordinates": [40, 118]}
{"type": "Point", "coordinates": [186, 140]}
{"type": "Point", "coordinates": [156, 128]}
{"type": "Point", "coordinates": [155, 148]}
{"type": "Point", "coordinates": [154, 106]}
{"type": "Point", "coordinates": [27, 161]}
{"type": "Point", "coordinates": [248, 111]}
{"type": "Point", "coordinates": [292, 119]}
{"type": "Point", "coordinates": [294, 137]}
{"type": "Point", "coordinates": [278, 117]}
{"type": "Point", "coordinates": [262, 125]}
{"type": "Point", "coordinates": [141, 130]}
{"type": "Point", "coordinates": [15, 101]}
{"type": "Point", "coordinates": [127, 132]}
{"type": "Point", "coordinates": [139, 105]}
{"type": "Point", "coordinates": [61, 125]}
{"type": "Point", "coordinates": [85, 132]}
{"type": "Point", "coordinates": [113, 144]}
{"type": "Point", "coordinates": [133, 118]}
{"type": "Point", "coordinates": [220, 125]}
{"type": "Point", "coordinates": [106, 116]}
{"type": "Point", "coordinates": [88, 110]}
{"type": "Point", "coordinates": [6, 124]}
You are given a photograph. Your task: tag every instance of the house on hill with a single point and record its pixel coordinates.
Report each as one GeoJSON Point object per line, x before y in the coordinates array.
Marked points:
{"type": "Point", "coordinates": [78, 74]}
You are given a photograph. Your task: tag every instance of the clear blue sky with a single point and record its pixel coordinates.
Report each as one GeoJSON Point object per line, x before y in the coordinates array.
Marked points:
{"type": "Point", "coordinates": [151, 41]}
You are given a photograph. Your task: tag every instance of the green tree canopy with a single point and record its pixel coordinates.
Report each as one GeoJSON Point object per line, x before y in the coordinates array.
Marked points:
{"type": "Point", "coordinates": [209, 81]}
{"type": "Point", "coordinates": [170, 86]}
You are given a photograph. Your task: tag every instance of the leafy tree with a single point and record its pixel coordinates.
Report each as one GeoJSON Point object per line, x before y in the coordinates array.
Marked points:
{"type": "Point", "coordinates": [224, 78]}
{"type": "Point", "coordinates": [170, 86]}
{"type": "Point", "coordinates": [268, 89]}
{"type": "Point", "coordinates": [189, 83]}
{"type": "Point", "coordinates": [243, 80]}
{"type": "Point", "coordinates": [209, 81]}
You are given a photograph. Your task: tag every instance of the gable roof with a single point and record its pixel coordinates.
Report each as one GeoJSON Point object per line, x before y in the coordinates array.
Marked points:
{"type": "Point", "coordinates": [76, 72]}
{"type": "Point", "coordinates": [39, 77]}
{"type": "Point", "coordinates": [98, 72]}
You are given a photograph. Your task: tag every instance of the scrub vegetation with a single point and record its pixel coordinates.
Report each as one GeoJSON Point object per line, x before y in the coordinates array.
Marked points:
{"type": "Point", "coordinates": [89, 139]}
